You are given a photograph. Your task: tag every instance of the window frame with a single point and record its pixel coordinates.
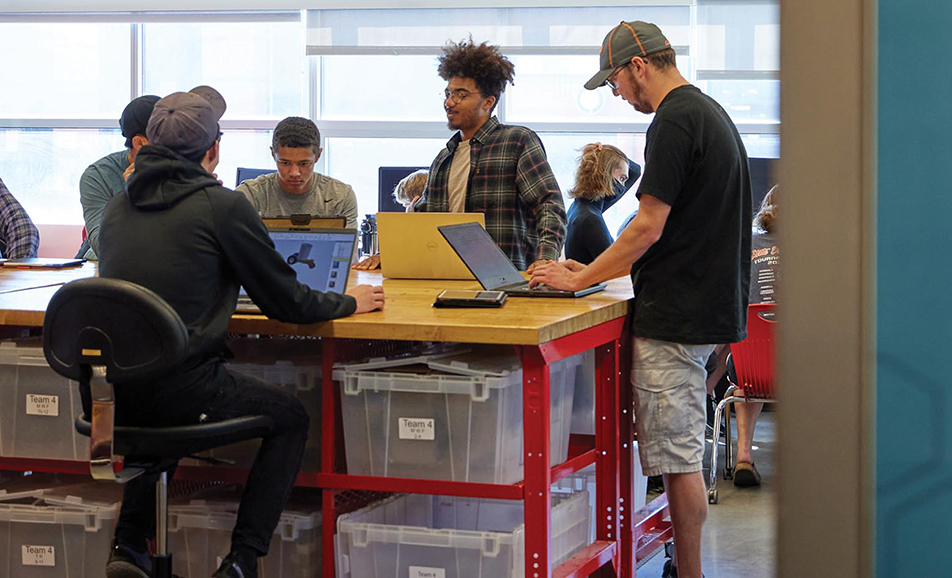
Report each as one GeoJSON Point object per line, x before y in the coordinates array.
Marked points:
{"type": "Point", "coordinates": [313, 92]}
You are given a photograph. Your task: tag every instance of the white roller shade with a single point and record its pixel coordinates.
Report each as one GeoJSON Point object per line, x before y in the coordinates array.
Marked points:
{"type": "Point", "coordinates": [561, 30]}
{"type": "Point", "coordinates": [75, 6]}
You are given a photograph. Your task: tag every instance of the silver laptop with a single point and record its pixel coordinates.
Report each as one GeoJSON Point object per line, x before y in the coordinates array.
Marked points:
{"type": "Point", "coordinates": [493, 269]}
{"type": "Point", "coordinates": [320, 257]}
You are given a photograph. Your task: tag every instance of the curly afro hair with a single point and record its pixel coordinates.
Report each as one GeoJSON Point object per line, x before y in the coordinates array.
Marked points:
{"type": "Point", "coordinates": [488, 68]}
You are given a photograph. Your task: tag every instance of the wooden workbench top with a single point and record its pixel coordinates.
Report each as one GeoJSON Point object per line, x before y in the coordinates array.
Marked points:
{"type": "Point", "coordinates": [408, 314]}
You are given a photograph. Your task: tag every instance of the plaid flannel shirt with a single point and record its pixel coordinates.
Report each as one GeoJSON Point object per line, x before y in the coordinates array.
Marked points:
{"type": "Point", "coordinates": [19, 237]}
{"type": "Point", "coordinates": [511, 183]}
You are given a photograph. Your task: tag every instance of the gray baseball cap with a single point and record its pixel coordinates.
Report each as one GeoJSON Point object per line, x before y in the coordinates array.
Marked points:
{"type": "Point", "coordinates": [624, 42]}
{"type": "Point", "coordinates": [187, 122]}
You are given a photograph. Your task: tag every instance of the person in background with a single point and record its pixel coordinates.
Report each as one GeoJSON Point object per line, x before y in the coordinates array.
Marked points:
{"type": "Point", "coordinates": [178, 232]}
{"type": "Point", "coordinates": [603, 177]}
{"type": "Point", "coordinates": [296, 188]}
{"type": "Point", "coordinates": [491, 168]}
{"type": "Point", "coordinates": [410, 188]}
{"type": "Point", "coordinates": [764, 272]}
{"type": "Point", "coordinates": [686, 251]}
{"type": "Point", "coordinates": [19, 237]}
{"type": "Point", "coordinates": [105, 179]}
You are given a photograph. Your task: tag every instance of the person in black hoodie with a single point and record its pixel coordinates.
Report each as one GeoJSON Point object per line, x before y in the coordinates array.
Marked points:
{"type": "Point", "coordinates": [178, 232]}
{"type": "Point", "coordinates": [603, 177]}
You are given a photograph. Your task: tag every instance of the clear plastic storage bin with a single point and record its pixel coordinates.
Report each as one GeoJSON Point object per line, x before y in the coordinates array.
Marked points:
{"type": "Point", "coordinates": [37, 407]}
{"type": "Point", "coordinates": [449, 537]}
{"type": "Point", "coordinates": [583, 405]}
{"type": "Point", "coordinates": [57, 535]}
{"type": "Point", "coordinates": [585, 480]}
{"type": "Point", "coordinates": [200, 536]}
{"type": "Point", "coordinates": [292, 364]}
{"type": "Point", "coordinates": [449, 418]}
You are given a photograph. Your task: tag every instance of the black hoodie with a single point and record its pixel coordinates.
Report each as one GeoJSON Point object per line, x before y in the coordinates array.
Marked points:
{"type": "Point", "coordinates": [178, 232]}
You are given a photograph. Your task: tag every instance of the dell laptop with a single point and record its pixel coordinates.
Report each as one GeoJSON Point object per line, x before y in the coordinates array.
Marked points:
{"type": "Point", "coordinates": [411, 246]}
{"type": "Point", "coordinates": [493, 269]}
{"type": "Point", "coordinates": [320, 257]}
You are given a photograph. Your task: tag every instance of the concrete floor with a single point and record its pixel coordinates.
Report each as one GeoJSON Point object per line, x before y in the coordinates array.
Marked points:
{"type": "Point", "coordinates": [739, 536]}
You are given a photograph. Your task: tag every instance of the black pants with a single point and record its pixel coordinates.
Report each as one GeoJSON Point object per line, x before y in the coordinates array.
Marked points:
{"type": "Point", "coordinates": [272, 474]}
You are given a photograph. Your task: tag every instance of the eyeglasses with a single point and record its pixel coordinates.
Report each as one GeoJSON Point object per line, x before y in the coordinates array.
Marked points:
{"type": "Point", "coordinates": [611, 83]}
{"type": "Point", "coordinates": [457, 96]}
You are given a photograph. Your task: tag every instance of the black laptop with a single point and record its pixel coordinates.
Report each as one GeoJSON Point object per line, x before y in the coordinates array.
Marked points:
{"type": "Point", "coordinates": [493, 269]}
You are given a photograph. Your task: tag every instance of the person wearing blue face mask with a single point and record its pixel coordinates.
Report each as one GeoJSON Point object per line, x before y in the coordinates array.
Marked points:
{"type": "Point", "coordinates": [603, 177]}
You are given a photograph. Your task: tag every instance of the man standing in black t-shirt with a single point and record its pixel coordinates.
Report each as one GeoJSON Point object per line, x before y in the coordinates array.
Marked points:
{"type": "Point", "coordinates": [687, 252]}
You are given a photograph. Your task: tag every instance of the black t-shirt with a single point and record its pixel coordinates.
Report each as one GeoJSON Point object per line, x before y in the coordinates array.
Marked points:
{"type": "Point", "coordinates": [692, 285]}
{"type": "Point", "coordinates": [764, 268]}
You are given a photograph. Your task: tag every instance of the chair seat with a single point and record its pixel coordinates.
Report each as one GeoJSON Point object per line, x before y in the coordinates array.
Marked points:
{"type": "Point", "coordinates": [182, 441]}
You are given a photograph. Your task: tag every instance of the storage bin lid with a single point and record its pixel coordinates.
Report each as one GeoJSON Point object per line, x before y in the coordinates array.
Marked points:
{"type": "Point", "coordinates": [90, 505]}
{"type": "Point", "coordinates": [23, 352]}
{"type": "Point", "coordinates": [400, 361]}
{"type": "Point", "coordinates": [27, 486]}
{"type": "Point", "coordinates": [484, 362]}
{"type": "Point", "coordinates": [217, 509]}
{"type": "Point", "coordinates": [86, 496]}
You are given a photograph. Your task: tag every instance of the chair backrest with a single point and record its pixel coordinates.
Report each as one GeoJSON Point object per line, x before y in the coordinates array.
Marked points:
{"type": "Point", "coordinates": [754, 357]}
{"type": "Point", "coordinates": [127, 328]}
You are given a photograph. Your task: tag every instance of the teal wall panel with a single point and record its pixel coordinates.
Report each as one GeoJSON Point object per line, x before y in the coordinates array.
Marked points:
{"type": "Point", "coordinates": [914, 290]}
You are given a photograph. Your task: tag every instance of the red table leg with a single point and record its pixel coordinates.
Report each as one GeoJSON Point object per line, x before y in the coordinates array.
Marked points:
{"type": "Point", "coordinates": [625, 457]}
{"type": "Point", "coordinates": [538, 503]}
{"type": "Point", "coordinates": [607, 508]}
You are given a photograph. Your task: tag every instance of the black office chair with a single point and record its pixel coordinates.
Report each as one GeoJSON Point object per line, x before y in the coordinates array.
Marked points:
{"type": "Point", "coordinates": [103, 332]}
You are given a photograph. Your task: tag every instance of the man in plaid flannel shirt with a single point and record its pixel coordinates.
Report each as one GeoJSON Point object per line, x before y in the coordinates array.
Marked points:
{"type": "Point", "coordinates": [491, 168]}
{"type": "Point", "coordinates": [19, 237]}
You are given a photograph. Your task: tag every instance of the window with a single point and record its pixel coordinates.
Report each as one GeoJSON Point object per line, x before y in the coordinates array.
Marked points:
{"type": "Point", "coordinates": [355, 162]}
{"type": "Point", "coordinates": [64, 70]}
{"type": "Point", "coordinates": [41, 167]}
{"type": "Point", "coordinates": [738, 58]}
{"type": "Point", "coordinates": [750, 101]}
{"type": "Point", "coordinates": [72, 76]}
{"type": "Point", "coordinates": [367, 77]}
{"type": "Point", "coordinates": [381, 87]}
{"type": "Point", "coordinates": [551, 89]}
{"type": "Point", "coordinates": [249, 149]}
{"type": "Point", "coordinates": [257, 66]}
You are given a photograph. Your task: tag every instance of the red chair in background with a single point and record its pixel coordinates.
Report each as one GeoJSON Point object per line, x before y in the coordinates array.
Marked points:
{"type": "Point", "coordinates": [754, 367]}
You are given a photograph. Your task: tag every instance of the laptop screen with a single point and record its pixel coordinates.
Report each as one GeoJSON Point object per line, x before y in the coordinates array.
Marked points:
{"type": "Point", "coordinates": [321, 258]}
{"type": "Point", "coordinates": [491, 267]}
{"type": "Point", "coordinates": [246, 174]}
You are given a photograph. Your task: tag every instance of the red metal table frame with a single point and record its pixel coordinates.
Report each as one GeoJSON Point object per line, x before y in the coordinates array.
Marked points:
{"type": "Point", "coordinates": [623, 538]}
{"type": "Point", "coordinates": [612, 448]}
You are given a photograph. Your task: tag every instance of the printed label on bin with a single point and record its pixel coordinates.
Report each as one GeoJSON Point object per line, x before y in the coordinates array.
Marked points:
{"type": "Point", "coordinates": [424, 572]}
{"type": "Point", "coordinates": [47, 405]}
{"type": "Point", "coordinates": [413, 428]}
{"type": "Point", "coordinates": [39, 556]}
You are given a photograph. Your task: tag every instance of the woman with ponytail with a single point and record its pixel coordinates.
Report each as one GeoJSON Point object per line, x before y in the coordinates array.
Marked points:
{"type": "Point", "coordinates": [603, 177]}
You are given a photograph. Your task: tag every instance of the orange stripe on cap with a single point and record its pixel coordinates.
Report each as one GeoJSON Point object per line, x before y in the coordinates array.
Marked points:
{"type": "Point", "coordinates": [635, 34]}
{"type": "Point", "coordinates": [610, 36]}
